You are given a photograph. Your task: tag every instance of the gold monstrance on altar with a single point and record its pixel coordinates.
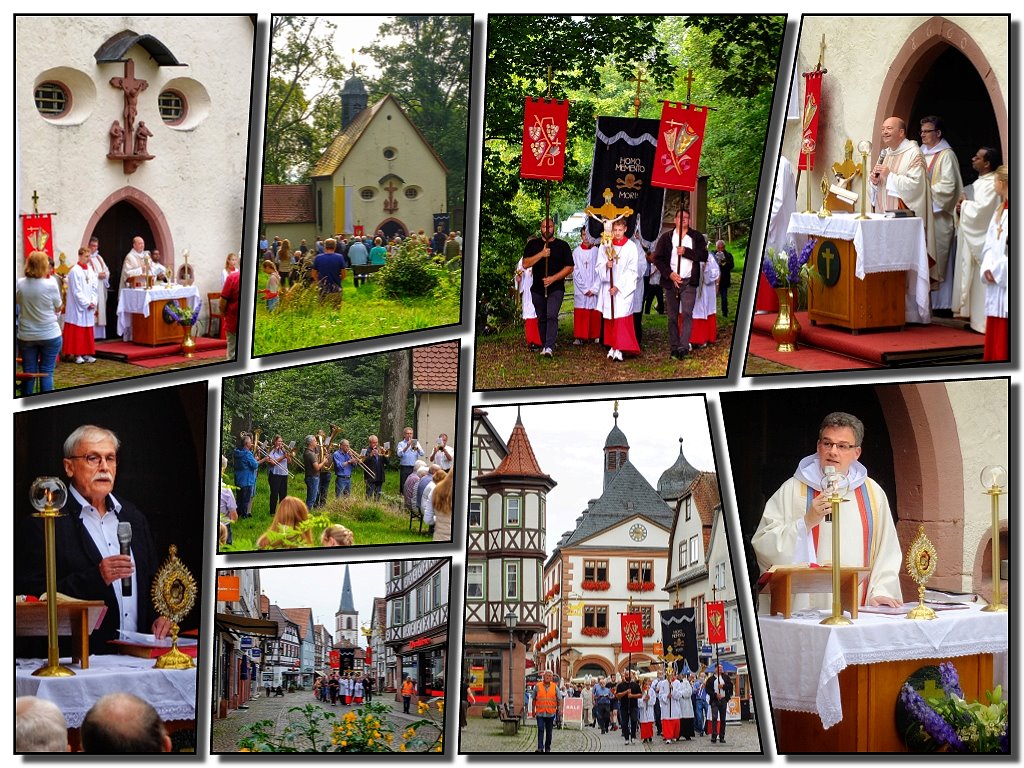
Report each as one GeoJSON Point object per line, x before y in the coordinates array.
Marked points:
{"type": "Point", "coordinates": [174, 595]}
{"type": "Point", "coordinates": [921, 563]}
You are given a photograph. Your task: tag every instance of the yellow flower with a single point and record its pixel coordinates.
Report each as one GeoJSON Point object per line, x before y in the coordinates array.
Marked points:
{"type": "Point", "coordinates": [245, 749]}
{"type": "Point", "coordinates": [440, 706]}
{"type": "Point", "coordinates": [376, 734]}
{"type": "Point", "coordinates": [389, 738]}
{"type": "Point", "coordinates": [344, 743]}
{"type": "Point", "coordinates": [423, 707]}
{"type": "Point", "coordinates": [401, 747]}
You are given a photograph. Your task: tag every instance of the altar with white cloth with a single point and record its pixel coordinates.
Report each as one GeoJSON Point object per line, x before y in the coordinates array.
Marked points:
{"type": "Point", "coordinates": [880, 245]}
{"type": "Point", "coordinates": [834, 688]}
{"type": "Point", "coordinates": [139, 313]}
{"type": "Point", "coordinates": [172, 692]}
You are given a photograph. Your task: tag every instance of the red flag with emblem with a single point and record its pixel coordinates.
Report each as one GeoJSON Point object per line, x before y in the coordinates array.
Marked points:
{"type": "Point", "coordinates": [680, 138]}
{"type": "Point", "coordinates": [544, 125]}
{"type": "Point", "coordinates": [632, 633]}
{"type": "Point", "coordinates": [334, 659]}
{"type": "Point", "coordinates": [716, 623]}
{"type": "Point", "coordinates": [37, 230]}
{"type": "Point", "coordinates": [809, 118]}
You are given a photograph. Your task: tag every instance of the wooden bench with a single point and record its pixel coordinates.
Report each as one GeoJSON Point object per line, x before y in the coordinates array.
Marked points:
{"type": "Point", "coordinates": [509, 720]}
{"type": "Point", "coordinates": [363, 271]}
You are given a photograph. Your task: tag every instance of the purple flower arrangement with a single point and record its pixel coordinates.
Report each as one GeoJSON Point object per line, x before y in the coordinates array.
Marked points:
{"type": "Point", "coordinates": [785, 268]}
{"type": "Point", "coordinates": [948, 723]}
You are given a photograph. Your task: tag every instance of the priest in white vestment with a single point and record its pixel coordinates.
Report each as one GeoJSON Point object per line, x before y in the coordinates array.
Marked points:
{"type": "Point", "coordinates": [617, 264]}
{"type": "Point", "coordinates": [134, 264]}
{"type": "Point", "coordinates": [946, 188]}
{"type": "Point", "coordinates": [976, 210]}
{"type": "Point", "coordinates": [900, 179]}
{"type": "Point", "coordinates": [793, 529]}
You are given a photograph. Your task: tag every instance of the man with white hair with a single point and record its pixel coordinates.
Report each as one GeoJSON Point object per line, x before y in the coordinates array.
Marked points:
{"type": "Point", "coordinates": [39, 726]}
{"type": "Point", "coordinates": [90, 565]}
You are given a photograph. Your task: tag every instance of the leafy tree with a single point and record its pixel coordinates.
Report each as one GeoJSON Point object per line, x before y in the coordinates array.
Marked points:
{"type": "Point", "coordinates": [302, 72]}
{"type": "Point", "coordinates": [428, 72]}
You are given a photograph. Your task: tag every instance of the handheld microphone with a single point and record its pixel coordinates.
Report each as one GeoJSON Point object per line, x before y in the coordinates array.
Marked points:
{"type": "Point", "coordinates": [124, 538]}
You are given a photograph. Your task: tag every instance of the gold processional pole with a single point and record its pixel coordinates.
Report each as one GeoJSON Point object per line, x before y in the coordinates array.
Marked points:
{"type": "Point", "coordinates": [48, 496]}
{"type": "Point", "coordinates": [838, 484]}
{"type": "Point", "coordinates": [993, 479]}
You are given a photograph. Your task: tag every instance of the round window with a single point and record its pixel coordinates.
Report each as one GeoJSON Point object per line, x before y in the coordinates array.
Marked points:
{"type": "Point", "coordinates": [52, 99]}
{"type": "Point", "coordinates": [412, 192]}
{"type": "Point", "coordinates": [390, 153]}
{"type": "Point", "coordinates": [367, 193]}
{"type": "Point", "coordinates": [172, 106]}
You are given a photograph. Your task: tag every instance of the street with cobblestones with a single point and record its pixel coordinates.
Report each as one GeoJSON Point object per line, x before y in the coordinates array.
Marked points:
{"type": "Point", "coordinates": [225, 733]}
{"type": "Point", "coordinates": [486, 736]}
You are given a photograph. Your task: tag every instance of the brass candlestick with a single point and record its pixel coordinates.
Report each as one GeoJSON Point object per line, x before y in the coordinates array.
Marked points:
{"type": "Point", "coordinates": [993, 479]}
{"type": "Point", "coordinates": [48, 496]}
{"type": "Point", "coordinates": [838, 484]}
{"type": "Point", "coordinates": [921, 563]}
{"type": "Point", "coordinates": [865, 151]}
{"type": "Point", "coordinates": [174, 594]}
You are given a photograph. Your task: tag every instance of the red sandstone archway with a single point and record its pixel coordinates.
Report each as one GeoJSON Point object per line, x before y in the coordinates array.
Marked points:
{"type": "Point", "coordinates": [924, 44]}
{"type": "Point", "coordinates": [149, 209]}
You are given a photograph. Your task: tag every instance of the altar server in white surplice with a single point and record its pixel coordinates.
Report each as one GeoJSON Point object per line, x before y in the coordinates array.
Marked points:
{"type": "Point", "coordinates": [900, 179]}
{"type": "Point", "coordinates": [793, 529]}
{"type": "Point", "coordinates": [976, 210]}
{"type": "Point", "coordinates": [585, 287]}
{"type": "Point", "coordinates": [617, 269]}
{"type": "Point", "coordinates": [524, 284]}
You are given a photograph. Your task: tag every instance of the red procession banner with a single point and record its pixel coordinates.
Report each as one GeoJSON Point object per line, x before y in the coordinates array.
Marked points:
{"type": "Point", "coordinates": [544, 125]}
{"type": "Point", "coordinates": [716, 623]}
{"type": "Point", "coordinates": [680, 139]}
{"type": "Point", "coordinates": [632, 633]}
{"type": "Point", "coordinates": [334, 659]}
{"type": "Point", "coordinates": [809, 119]}
{"type": "Point", "coordinates": [37, 230]}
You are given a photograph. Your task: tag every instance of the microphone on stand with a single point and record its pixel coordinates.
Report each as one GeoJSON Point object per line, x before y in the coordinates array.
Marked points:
{"type": "Point", "coordinates": [124, 538]}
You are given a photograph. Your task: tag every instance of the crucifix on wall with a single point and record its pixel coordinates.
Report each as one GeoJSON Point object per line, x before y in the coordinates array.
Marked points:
{"type": "Point", "coordinates": [129, 143]}
{"type": "Point", "coordinates": [391, 204]}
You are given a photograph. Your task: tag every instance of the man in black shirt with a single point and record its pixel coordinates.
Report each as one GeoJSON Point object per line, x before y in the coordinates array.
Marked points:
{"type": "Point", "coordinates": [628, 694]}
{"type": "Point", "coordinates": [552, 259]}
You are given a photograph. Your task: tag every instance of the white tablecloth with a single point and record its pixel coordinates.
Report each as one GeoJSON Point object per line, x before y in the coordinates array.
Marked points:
{"type": "Point", "coordinates": [803, 658]}
{"type": "Point", "coordinates": [172, 692]}
{"type": "Point", "coordinates": [137, 300]}
{"type": "Point", "coordinates": [883, 245]}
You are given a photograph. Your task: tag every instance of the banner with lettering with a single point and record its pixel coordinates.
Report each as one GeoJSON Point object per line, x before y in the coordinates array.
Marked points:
{"type": "Point", "coordinates": [37, 231]}
{"type": "Point", "coordinates": [679, 635]}
{"type": "Point", "coordinates": [544, 125]}
{"type": "Point", "coordinates": [680, 139]}
{"type": "Point", "coordinates": [632, 633]}
{"type": "Point", "coordinates": [624, 150]}
{"type": "Point", "coordinates": [809, 119]}
{"type": "Point", "coordinates": [716, 623]}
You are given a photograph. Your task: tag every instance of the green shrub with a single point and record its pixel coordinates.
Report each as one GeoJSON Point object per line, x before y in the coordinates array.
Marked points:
{"type": "Point", "coordinates": [410, 271]}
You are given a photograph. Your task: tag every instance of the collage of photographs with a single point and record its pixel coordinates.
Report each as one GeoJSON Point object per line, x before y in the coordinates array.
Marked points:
{"type": "Point", "coordinates": [520, 384]}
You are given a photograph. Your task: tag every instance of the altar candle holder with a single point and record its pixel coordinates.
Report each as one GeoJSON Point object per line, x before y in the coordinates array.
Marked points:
{"type": "Point", "coordinates": [49, 495]}
{"type": "Point", "coordinates": [993, 480]}
{"type": "Point", "coordinates": [839, 484]}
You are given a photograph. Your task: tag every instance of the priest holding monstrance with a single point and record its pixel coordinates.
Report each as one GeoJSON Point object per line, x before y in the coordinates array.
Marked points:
{"type": "Point", "coordinates": [796, 525]}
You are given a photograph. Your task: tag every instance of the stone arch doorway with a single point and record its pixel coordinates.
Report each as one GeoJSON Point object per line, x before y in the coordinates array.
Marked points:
{"type": "Point", "coordinates": [941, 70]}
{"type": "Point", "coordinates": [117, 220]}
{"type": "Point", "coordinates": [391, 227]}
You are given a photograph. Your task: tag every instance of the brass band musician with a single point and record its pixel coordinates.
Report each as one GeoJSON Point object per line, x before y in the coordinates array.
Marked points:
{"type": "Point", "coordinates": [277, 472]}
{"type": "Point", "coordinates": [374, 465]}
{"type": "Point", "coordinates": [344, 460]}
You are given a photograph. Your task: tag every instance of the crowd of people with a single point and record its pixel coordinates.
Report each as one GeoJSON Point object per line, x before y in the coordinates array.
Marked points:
{"type": "Point", "coordinates": [327, 261]}
{"type": "Point", "coordinates": [616, 283]}
{"type": "Point", "coordinates": [62, 310]}
{"type": "Point", "coordinates": [426, 484]}
{"type": "Point", "coordinates": [673, 706]}
{"type": "Point", "coordinates": [344, 689]}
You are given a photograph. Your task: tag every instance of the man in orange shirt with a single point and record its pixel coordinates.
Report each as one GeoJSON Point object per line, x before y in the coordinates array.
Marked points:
{"type": "Point", "coordinates": [407, 691]}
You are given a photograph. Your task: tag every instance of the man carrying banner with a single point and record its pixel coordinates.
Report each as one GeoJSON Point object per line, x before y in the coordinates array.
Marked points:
{"type": "Point", "coordinates": [678, 255]}
{"type": "Point", "coordinates": [553, 259]}
{"type": "Point", "coordinates": [719, 690]}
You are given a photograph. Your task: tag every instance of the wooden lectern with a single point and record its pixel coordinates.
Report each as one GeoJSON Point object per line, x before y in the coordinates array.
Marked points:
{"type": "Point", "coordinates": [77, 618]}
{"type": "Point", "coordinates": [784, 581]}
{"type": "Point", "coordinates": [152, 330]}
{"type": "Point", "coordinates": [840, 298]}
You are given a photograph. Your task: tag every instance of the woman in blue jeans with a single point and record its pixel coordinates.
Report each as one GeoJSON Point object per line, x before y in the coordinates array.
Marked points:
{"type": "Point", "coordinates": [39, 335]}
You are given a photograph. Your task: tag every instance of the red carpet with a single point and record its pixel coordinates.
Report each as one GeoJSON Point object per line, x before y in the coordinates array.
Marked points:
{"type": "Point", "coordinates": [156, 362]}
{"type": "Point", "coordinates": [152, 357]}
{"type": "Point", "coordinates": [805, 358]}
{"type": "Point", "coordinates": [914, 345]}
